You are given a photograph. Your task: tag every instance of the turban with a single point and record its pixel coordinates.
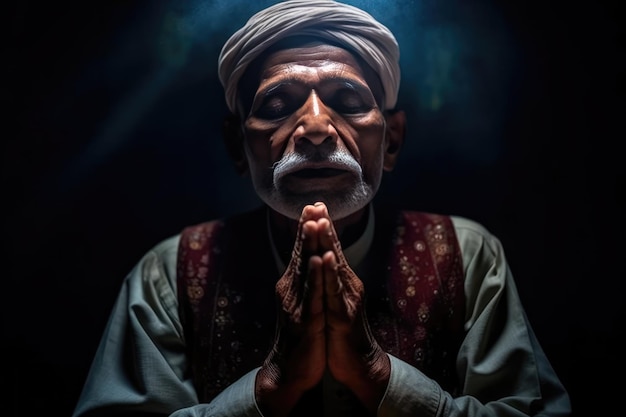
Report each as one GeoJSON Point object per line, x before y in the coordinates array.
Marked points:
{"type": "Point", "coordinates": [341, 24]}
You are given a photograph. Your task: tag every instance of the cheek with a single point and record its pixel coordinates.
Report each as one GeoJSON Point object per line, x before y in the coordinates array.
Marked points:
{"type": "Point", "coordinates": [267, 140]}
{"type": "Point", "coordinates": [372, 159]}
{"type": "Point", "coordinates": [370, 138]}
{"type": "Point", "coordinates": [371, 145]}
{"type": "Point", "coordinates": [257, 155]}
{"type": "Point", "coordinates": [362, 136]}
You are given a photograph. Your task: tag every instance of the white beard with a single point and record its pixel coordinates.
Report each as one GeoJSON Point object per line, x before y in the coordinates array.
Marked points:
{"type": "Point", "coordinates": [340, 202]}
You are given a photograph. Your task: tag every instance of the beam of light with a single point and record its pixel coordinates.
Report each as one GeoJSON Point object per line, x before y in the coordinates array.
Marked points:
{"type": "Point", "coordinates": [457, 61]}
{"type": "Point", "coordinates": [116, 130]}
{"type": "Point", "coordinates": [205, 24]}
{"type": "Point", "coordinates": [171, 47]}
{"type": "Point", "coordinates": [454, 62]}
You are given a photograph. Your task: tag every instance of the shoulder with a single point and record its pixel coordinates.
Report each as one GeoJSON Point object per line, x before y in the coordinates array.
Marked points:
{"type": "Point", "coordinates": [466, 230]}
{"type": "Point", "coordinates": [476, 243]}
{"type": "Point", "coordinates": [157, 266]}
{"type": "Point", "coordinates": [472, 235]}
{"type": "Point", "coordinates": [205, 233]}
{"type": "Point", "coordinates": [166, 250]}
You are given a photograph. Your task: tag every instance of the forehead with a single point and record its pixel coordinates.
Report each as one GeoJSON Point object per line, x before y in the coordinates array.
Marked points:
{"type": "Point", "coordinates": [311, 63]}
{"type": "Point", "coordinates": [300, 55]}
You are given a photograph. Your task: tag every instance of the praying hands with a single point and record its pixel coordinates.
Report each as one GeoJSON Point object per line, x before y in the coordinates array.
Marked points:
{"type": "Point", "coordinates": [322, 324]}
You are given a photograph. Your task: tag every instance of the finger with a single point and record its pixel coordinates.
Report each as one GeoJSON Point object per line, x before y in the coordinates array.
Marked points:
{"type": "Point", "coordinates": [310, 238]}
{"type": "Point", "coordinates": [327, 235]}
{"type": "Point", "coordinates": [302, 232]}
{"type": "Point", "coordinates": [306, 243]}
{"type": "Point", "coordinates": [307, 239]}
{"type": "Point", "coordinates": [329, 240]}
{"type": "Point", "coordinates": [314, 292]}
{"type": "Point", "coordinates": [289, 287]}
{"type": "Point", "coordinates": [343, 288]}
{"type": "Point", "coordinates": [333, 287]}
{"type": "Point", "coordinates": [314, 211]}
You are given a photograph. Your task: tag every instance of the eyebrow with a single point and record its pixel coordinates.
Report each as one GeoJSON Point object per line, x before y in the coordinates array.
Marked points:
{"type": "Point", "coordinates": [294, 80]}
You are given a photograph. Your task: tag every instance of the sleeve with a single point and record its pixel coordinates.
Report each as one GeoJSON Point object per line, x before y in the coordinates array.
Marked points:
{"type": "Point", "coordinates": [140, 367]}
{"type": "Point", "coordinates": [502, 369]}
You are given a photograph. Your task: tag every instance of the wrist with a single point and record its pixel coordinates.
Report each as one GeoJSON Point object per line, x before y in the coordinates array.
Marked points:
{"type": "Point", "coordinates": [273, 398]}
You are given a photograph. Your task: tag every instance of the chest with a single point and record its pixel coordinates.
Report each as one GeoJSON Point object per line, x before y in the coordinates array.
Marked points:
{"type": "Point", "coordinates": [413, 281]}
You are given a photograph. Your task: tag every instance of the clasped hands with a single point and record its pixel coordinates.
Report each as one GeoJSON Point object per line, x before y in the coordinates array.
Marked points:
{"type": "Point", "coordinates": [322, 324]}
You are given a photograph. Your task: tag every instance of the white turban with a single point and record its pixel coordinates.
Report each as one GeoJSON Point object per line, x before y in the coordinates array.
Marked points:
{"type": "Point", "coordinates": [344, 25]}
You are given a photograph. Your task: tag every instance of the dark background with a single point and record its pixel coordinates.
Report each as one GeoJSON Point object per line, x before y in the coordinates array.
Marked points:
{"type": "Point", "coordinates": [112, 143]}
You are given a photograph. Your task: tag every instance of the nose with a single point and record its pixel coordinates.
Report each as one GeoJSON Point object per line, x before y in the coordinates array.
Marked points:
{"type": "Point", "coordinates": [315, 125]}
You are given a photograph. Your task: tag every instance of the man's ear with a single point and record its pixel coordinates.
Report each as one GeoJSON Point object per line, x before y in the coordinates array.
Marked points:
{"type": "Point", "coordinates": [394, 137]}
{"type": "Point", "coordinates": [233, 139]}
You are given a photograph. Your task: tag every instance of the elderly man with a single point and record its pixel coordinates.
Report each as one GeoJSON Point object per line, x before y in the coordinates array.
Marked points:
{"type": "Point", "coordinates": [319, 303]}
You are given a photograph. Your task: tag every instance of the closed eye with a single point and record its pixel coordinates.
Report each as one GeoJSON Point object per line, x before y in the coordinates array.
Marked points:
{"type": "Point", "coordinates": [275, 106]}
{"type": "Point", "coordinates": [349, 101]}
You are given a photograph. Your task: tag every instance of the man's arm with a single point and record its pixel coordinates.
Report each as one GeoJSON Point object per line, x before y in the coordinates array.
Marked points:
{"type": "Point", "coordinates": [322, 325]}
{"type": "Point", "coordinates": [503, 370]}
{"type": "Point", "coordinates": [140, 367]}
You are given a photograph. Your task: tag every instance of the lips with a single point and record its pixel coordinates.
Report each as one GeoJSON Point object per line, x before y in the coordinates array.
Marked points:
{"type": "Point", "coordinates": [298, 167]}
{"type": "Point", "coordinates": [317, 172]}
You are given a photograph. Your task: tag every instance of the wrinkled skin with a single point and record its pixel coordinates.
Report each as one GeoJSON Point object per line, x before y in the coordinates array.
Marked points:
{"type": "Point", "coordinates": [315, 104]}
{"type": "Point", "coordinates": [322, 324]}
{"type": "Point", "coordinates": [315, 143]}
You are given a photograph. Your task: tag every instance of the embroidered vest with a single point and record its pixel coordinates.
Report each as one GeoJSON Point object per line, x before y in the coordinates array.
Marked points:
{"type": "Point", "coordinates": [226, 277]}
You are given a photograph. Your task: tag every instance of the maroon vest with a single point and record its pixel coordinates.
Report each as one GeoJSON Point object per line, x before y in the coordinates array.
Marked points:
{"type": "Point", "coordinates": [226, 277]}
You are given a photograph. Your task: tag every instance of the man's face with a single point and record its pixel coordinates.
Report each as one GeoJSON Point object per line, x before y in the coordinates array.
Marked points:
{"type": "Point", "coordinates": [314, 132]}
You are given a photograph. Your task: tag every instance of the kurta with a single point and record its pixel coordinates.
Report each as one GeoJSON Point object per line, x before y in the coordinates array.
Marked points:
{"type": "Point", "coordinates": [142, 364]}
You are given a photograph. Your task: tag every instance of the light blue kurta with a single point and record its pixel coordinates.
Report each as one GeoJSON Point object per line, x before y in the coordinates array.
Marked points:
{"type": "Point", "coordinates": [141, 364]}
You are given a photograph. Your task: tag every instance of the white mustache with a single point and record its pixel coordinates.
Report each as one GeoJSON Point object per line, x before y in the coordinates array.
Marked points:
{"type": "Point", "coordinates": [296, 162]}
